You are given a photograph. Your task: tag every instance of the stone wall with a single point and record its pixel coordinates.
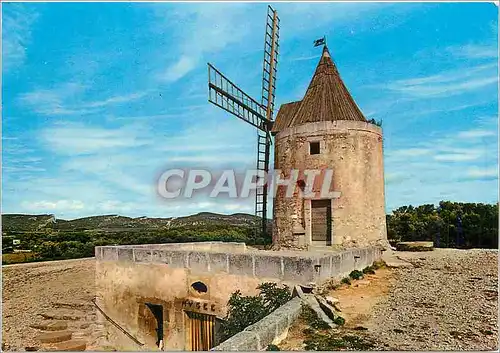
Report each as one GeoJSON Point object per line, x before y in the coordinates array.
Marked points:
{"type": "Point", "coordinates": [127, 277]}
{"type": "Point", "coordinates": [269, 330]}
{"type": "Point", "coordinates": [353, 149]}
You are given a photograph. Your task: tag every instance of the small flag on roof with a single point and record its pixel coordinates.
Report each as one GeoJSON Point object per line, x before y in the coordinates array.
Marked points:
{"type": "Point", "coordinates": [319, 42]}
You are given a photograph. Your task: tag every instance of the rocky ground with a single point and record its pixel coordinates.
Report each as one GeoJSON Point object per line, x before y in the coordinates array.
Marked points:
{"type": "Point", "coordinates": [40, 294]}
{"type": "Point", "coordinates": [447, 300]}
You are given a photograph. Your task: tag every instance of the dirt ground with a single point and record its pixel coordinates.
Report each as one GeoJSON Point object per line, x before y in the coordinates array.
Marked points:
{"type": "Point", "coordinates": [448, 300]}
{"type": "Point", "coordinates": [45, 292]}
{"type": "Point", "coordinates": [356, 302]}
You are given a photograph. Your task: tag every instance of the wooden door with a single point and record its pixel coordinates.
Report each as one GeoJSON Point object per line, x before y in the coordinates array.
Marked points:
{"type": "Point", "coordinates": [202, 331]}
{"type": "Point", "coordinates": [321, 221]}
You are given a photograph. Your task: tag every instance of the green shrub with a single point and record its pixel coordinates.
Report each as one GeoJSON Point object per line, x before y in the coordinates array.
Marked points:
{"type": "Point", "coordinates": [311, 318]}
{"type": "Point", "coordinates": [346, 280]}
{"type": "Point", "coordinates": [356, 274]}
{"type": "Point", "coordinates": [328, 342]}
{"type": "Point", "coordinates": [378, 264]}
{"type": "Point", "coordinates": [339, 320]}
{"type": "Point", "coordinates": [244, 311]}
{"type": "Point", "coordinates": [272, 347]}
{"type": "Point", "coordinates": [369, 270]}
{"type": "Point", "coordinates": [308, 331]}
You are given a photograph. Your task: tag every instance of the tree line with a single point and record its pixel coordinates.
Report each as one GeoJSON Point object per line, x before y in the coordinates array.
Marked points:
{"type": "Point", "coordinates": [448, 225]}
{"type": "Point", "coordinates": [59, 245]}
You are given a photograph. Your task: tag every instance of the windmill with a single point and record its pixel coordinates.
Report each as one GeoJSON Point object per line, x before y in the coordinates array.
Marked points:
{"type": "Point", "coordinates": [226, 95]}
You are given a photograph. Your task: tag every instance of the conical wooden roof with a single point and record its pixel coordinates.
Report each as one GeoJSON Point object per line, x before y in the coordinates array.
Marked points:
{"type": "Point", "coordinates": [326, 99]}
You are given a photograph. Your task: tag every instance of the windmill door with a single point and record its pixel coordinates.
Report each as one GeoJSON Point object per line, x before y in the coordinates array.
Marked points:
{"type": "Point", "coordinates": [201, 331]}
{"type": "Point", "coordinates": [321, 221]}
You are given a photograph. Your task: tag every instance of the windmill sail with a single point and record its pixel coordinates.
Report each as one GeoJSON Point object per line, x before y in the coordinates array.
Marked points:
{"type": "Point", "coordinates": [271, 50]}
{"type": "Point", "coordinates": [226, 95]}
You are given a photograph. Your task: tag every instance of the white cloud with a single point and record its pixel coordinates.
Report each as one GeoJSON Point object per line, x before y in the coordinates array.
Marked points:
{"type": "Point", "coordinates": [304, 58]}
{"type": "Point", "coordinates": [475, 51]}
{"type": "Point", "coordinates": [409, 152]}
{"type": "Point", "coordinates": [482, 172]}
{"type": "Point", "coordinates": [66, 99]}
{"type": "Point", "coordinates": [206, 28]}
{"type": "Point", "coordinates": [17, 21]}
{"type": "Point", "coordinates": [476, 133]}
{"type": "Point", "coordinates": [456, 157]}
{"type": "Point", "coordinates": [448, 83]}
{"type": "Point", "coordinates": [48, 206]}
{"type": "Point", "coordinates": [182, 67]}
{"type": "Point", "coordinates": [76, 139]}
{"type": "Point", "coordinates": [209, 28]}
{"type": "Point", "coordinates": [117, 99]}
{"type": "Point", "coordinates": [442, 167]}
{"type": "Point", "coordinates": [21, 168]}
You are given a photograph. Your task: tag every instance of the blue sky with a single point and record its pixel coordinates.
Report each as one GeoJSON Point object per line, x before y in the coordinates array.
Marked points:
{"type": "Point", "coordinates": [99, 98]}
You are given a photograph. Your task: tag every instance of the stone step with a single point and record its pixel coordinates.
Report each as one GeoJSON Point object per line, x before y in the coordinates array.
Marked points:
{"type": "Point", "coordinates": [78, 305]}
{"type": "Point", "coordinates": [69, 346]}
{"type": "Point", "coordinates": [415, 246]}
{"type": "Point", "coordinates": [54, 336]}
{"type": "Point", "coordinates": [62, 315]}
{"type": "Point", "coordinates": [50, 326]}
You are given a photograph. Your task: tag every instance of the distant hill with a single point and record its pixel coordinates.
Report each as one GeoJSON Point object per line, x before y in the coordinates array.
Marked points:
{"type": "Point", "coordinates": [25, 223]}
{"type": "Point", "coordinates": [116, 223]}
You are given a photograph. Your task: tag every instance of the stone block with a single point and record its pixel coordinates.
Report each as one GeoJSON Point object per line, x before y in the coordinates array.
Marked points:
{"type": "Point", "coordinates": [125, 254]}
{"type": "Point", "coordinates": [109, 253]}
{"type": "Point", "coordinates": [357, 259]}
{"type": "Point", "coordinates": [248, 341]}
{"type": "Point", "coordinates": [336, 265]}
{"type": "Point", "coordinates": [98, 252]}
{"type": "Point", "coordinates": [268, 267]}
{"type": "Point", "coordinates": [265, 329]}
{"type": "Point", "coordinates": [415, 246]}
{"type": "Point", "coordinates": [178, 259]}
{"type": "Point", "coordinates": [142, 255]}
{"type": "Point", "coordinates": [161, 257]}
{"type": "Point", "coordinates": [325, 271]}
{"type": "Point", "coordinates": [327, 308]}
{"type": "Point", "coordinates": [298, 269]}
{"type": "Point", "coordinates": [54, 336]}
{"type": "Point", "coordinates": [51, 326]}
{"type": "Point", "coordinates": [218, 262]}
{"type": "Point", "coordinates": [241, 264]}
{"type": "Point", "coordinates": [347, 262]}
{"type": "Point", "coordinates": [198, 261]}
{"type": "Point", "coordinates": [70, 346]}
{"type": "Point", "coordinates": [243, 341]}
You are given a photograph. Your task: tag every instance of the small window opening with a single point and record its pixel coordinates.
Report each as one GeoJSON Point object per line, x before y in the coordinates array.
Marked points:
{"type": "Point", "coordinates": [200, 287]}
{"type": "Point", "coordinates": [313, 147]}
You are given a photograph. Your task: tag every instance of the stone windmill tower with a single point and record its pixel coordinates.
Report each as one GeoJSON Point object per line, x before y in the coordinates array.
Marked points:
{"type": "Point", "coordinates": [327, 130]}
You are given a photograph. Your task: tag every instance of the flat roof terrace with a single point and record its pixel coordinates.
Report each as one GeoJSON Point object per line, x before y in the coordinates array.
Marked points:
{"type": "Point", "coordinates": [294, 267]}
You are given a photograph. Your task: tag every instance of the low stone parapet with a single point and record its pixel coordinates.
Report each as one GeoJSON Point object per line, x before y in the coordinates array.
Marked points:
{"type": "Point", "coordinates": [269, 330]}
{"type": "Point", "coordinates": [294, 267]}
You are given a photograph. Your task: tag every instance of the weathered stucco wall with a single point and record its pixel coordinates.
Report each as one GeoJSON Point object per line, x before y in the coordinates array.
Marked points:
{"type": "Point", "coordinates": [127, 277]}
{"type": "Point", "coordinates": [353, 149]}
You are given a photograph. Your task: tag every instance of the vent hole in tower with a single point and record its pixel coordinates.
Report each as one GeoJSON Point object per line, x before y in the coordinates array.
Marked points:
{"type": "Point", "coordinates": [313, 147]}
{"type": "Point", "coordinates": [200, 287]}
